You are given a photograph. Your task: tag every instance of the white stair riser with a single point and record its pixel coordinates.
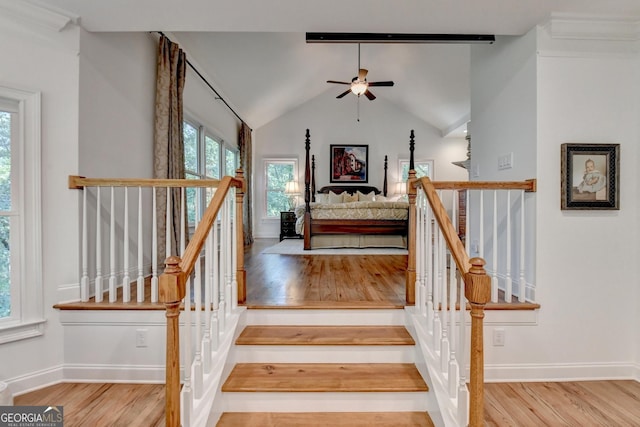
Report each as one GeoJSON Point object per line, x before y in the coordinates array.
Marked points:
{"type": "Point", "coordinates": [325, 317]}
{"type": "Point", "coordinates": [327, 402]}
{"type": "Point", "coordinates": [323, 354]}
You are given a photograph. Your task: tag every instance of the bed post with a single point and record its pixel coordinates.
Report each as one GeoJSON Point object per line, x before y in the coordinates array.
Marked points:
{"type": "Point", "coordinates": [313, 178]}
{"type": "Point", "coordinates": [384, 184]}
{"type": "Point", "coordinates": [307, 194]}
{"type": "Point", "coordinates": [410, 284]}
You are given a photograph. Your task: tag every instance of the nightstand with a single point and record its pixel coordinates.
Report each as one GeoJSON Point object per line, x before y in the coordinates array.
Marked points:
{"type": "Point", "coordinates": [288, 225]}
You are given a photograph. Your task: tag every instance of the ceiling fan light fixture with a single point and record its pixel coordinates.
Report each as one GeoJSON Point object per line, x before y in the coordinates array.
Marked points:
{"type": "Point", "coordinates": [359, 87]}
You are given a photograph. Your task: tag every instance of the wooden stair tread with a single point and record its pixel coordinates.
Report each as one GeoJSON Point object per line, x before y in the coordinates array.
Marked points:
{"type": "Point", "coordinates": [324, 335]}
{"type": "Point", "coordinates": [323, 419]}
{"type": "Point", "coordinates": [324, 377]}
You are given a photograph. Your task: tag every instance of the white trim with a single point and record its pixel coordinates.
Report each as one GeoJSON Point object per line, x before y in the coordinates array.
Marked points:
{"type": "Point", "coordinates": [585, 27]}
{"type": "Point", "coordinates": [31, 310]}
{"type": "Point", "coordinates": [32, 13]}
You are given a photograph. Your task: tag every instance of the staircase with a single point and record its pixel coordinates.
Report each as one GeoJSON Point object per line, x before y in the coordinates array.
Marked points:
{"type": "Point", "coordinates": [321, 367]}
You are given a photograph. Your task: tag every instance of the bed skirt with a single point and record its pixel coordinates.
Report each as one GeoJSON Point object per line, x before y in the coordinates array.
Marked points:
{"type": "Point", "coordinates": [358, 241]}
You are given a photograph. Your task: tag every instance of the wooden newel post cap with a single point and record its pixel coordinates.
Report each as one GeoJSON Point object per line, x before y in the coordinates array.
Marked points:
{"type": "Point", "coordinates": [477, 266]}
{"type": "Point", "coordinates": [172, 281]}
{"type": "Point", "coordinates": [478, 284]}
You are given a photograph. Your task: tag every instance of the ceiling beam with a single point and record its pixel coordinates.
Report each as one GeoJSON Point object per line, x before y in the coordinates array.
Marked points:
{"type": "Point", "coordinates": [398, 38]}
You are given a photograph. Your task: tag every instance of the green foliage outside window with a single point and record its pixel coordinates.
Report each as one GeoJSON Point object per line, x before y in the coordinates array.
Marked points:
{"type": "Point", "coordinates": [278, 174]}
{"type": "Point", "coordinates": [5, 205]}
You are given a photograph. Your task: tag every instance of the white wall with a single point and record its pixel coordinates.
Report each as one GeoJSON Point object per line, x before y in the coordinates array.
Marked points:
{"type": "Point", "coordinates": [37, 58]}
{"type": "Point", "coordinates": [586, 92]}
{"type": "Point", "coordinates": [382, 126]}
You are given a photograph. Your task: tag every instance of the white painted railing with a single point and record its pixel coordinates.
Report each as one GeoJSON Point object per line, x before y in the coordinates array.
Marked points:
{"type": "Point", "coordinates": [443, 272]}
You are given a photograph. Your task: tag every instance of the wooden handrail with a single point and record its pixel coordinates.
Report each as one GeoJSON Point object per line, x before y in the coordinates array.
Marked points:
{"type": "Point", "coordinates": [529, 185]}
{"type": "Point", "coordinates": [78, 182]}
{"type": "Point", "coordinates": [172, 284]}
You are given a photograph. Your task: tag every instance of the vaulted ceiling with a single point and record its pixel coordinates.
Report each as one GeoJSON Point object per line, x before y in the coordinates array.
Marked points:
{"type": "Point", "coordinates": [254, 51]}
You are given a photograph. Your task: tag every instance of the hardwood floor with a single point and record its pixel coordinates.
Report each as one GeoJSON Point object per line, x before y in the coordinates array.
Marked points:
{"type": "Point", "coordinates": [356, 282]}
{"type": "Point", "coordinates": [557, 404]}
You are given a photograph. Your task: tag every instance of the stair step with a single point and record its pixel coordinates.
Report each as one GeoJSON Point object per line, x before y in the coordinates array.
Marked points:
{"type": "Point", "coordinates": [323, 419]}
{"type": "Point", "coordinates": [324, 377]}
{"type": "Point", "coordinates": [324, 335]}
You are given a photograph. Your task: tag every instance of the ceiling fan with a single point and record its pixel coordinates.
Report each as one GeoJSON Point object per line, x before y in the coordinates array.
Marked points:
{"type": "Point", "coordinates": [359, 84]}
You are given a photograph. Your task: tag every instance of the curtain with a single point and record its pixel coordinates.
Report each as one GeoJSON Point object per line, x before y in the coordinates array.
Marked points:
{"type": "Point", "coordinates": [168, 147]}
{"type": "Point", "coordinates": [244, 142]}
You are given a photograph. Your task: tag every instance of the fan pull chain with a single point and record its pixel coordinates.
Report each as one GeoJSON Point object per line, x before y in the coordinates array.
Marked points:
{"type": "Point", "coordinates": [358, 107]}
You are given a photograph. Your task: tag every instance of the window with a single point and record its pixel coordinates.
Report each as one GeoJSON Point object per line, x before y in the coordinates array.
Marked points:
{"type": "Point", "coordinates": [21, 299]}
{"type": "Point", "coordinates": [203, 160]}
{"type": "Point", "coordinates": [277, 173]}
{"type": "Point", "coordinates": [422, 168]}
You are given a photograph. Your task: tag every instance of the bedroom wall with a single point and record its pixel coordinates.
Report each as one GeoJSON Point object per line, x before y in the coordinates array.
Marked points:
{"type": "Point", "coordinates": [382, 126]}
{"type": "Point", "coordinates": [585, 91]}
{"type": "Point", "coordinates": [38, 57]}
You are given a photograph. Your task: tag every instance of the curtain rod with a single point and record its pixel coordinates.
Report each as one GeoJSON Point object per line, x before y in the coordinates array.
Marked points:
{"type": "Point", "coordinates": [210, 87]}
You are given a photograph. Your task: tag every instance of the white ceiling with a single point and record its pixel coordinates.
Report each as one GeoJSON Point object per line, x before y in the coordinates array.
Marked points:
{"type": "Point", "coordinates": [254, 51]}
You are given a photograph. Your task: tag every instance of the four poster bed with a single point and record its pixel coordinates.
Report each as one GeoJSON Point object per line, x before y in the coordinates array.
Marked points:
{"type": "Point", "coordinates": [350, 215]}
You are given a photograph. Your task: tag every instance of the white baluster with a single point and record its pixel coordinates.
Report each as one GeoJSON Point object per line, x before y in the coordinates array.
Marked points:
{"type": "Point", "coordinates": [126, 281]}
{"type": "Point", "coordinates": [168, 226]}
{"type": "Point", "coordinates": [228, 250]}
{"type": "Point", "coordinates": [430, 266]}
{"type": "Point", "coordinates": [508, 292]}
{"type": "Point", "coordinates": [437, 265]}
{"type": "Point", "coordinates": [494, 266]}
{"type": "Point", "coordinates": [154, 249]}
{"type": "Point", "coordinates": [197, 359]}
{"type": "Point", "coordinates": [187, 389]}
{"type": "Point", "coordinates": [215, 286]}
{"type": "Point", "coordinates": [481, 230]}
{"type": "Point", "coordinates": [208, 283]}
{"type": "Point", "coordinates": [98, 282]}
{"type": "Point", "coordinates": [84, 279]}
{"type": "Point", "coordinates": [523, 281]}
{"type": "Point", "coordinates": [234, 254]}
{"type": "Point", "coordinates": [463, 391]}
{"type": "Point", "coordinates": [112, 248]}
{"type": "Point", "coordinates": [140, 280]}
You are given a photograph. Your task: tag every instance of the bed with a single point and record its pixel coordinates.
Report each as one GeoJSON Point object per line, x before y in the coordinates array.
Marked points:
{"type": "Point", "coordinates": [350, 215]}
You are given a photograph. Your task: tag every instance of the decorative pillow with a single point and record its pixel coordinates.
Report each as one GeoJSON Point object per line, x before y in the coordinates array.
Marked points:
{"type": "Point", "coordinates": [366, 197]}
{"type": "Point", "coordinates": [335, 198]}
{"type": "Point", "coordinates": [322, 198]}
{"type": "Point", "coordinates": [349, 197]}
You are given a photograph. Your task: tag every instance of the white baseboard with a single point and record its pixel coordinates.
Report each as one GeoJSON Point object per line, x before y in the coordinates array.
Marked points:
{"type": "Point", "coordinates": [35, 380]}
{"type": "Point", "coordinates": [560, 372]}
{"type": "Point", "coordinates": [145, 374]}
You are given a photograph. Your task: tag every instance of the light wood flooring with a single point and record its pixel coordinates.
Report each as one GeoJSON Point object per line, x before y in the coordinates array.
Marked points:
{"type": "Point", "coordinates": [357, 282]}
{"type": "Point", "coordinates": [557, 404]}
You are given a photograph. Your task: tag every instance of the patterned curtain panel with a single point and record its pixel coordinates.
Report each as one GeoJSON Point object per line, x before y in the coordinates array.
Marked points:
{"type": "Point", "coordinates": [168, 155]}
{"type": "Point", "coordinates": [244, 142]}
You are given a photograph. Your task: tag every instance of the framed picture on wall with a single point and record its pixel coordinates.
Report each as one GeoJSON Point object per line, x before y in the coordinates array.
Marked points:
{"type": "Point", "coordinates": [349, 163]}
{"type": "Point", "coordinates": [590, 176]}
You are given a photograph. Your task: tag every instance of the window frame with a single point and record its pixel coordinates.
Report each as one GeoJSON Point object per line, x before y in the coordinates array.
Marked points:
{"type": "Point", "coordinates": [277, 160]}
{"type": "Point", "coordinates": [29, 319]}
{"type": "Point", "coordinates": [402, 162]}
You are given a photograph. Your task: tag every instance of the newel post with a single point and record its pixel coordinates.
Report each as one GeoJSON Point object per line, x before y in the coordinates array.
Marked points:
{"type": "Point", "coordinates": [478, 293]}
{"type": "Point", "coordinates": [241, 274]}
{"type": "Point", "coordinates": [172, 292]}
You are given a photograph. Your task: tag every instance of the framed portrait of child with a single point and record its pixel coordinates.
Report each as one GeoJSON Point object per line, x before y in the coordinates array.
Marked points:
{"type": "Point", "coordinates": [590, 176]}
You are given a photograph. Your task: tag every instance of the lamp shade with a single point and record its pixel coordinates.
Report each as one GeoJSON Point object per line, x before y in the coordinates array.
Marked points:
{"type": "Point", "coordinates": [359, 87]}
{"type": "Point", "coordinates": [291, 187]}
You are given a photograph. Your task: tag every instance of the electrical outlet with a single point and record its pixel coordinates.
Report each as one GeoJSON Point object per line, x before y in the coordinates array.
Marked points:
{"type": "Point", "coordinates": [498, 337]}
{"type": "Point", "coordinates": [141, 337]}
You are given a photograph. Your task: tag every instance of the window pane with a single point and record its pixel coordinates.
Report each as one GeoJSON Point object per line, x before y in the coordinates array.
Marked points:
{"type": "Point", "coordinates": [5, 270]}
{"type": "Point", "coordinates": [422, 169]}
{"type": "Point", "coordinates": [230, 162]}
{"type": "Point", "coordinates": [191, 201]}
{"type": "Point", "coordinates": [5, 161]}
{"type": "Point", "coordinates": [278, 174]}
{"type": "Point", "coordinates": [190, 134]}
{"type": "Point", "coordinates": [212, 158]}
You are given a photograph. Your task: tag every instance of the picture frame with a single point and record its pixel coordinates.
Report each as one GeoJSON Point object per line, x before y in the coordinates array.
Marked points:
{"type": "Point", "coordinates": [349, 163]}
{"type": "Point", "coordinates": [590, 176]}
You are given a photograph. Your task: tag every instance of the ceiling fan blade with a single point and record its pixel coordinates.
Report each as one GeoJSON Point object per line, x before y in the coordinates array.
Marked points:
{"type": "Point", "coordinates": [343, 93]}
{"type": "Point", "coordinates": [362, 74]}
{"type": "Point", "coordinates": [340, 83]}
{"type": "Point", "coordinates": [369, 95]}
{"type": "Point", "coordinates": [389, 83]}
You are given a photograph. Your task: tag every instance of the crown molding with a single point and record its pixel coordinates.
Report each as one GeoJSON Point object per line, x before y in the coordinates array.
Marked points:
{"type": "Point", "coordinates": [584, 27]}
{"type": "Point", "coordinates": [32, 13]}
